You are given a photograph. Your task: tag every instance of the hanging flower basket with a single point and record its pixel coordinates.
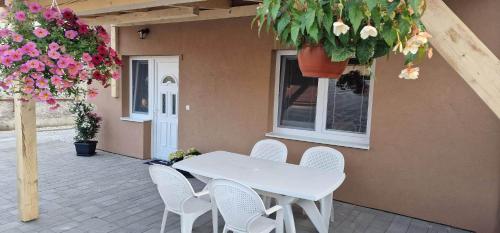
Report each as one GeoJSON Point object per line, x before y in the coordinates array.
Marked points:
{"type": "Point", "coordinates": [47, 53]}
{"type": "Point", "coordinates": [314, 62]}
{"type": "Point", "coordinates": [345, 29]}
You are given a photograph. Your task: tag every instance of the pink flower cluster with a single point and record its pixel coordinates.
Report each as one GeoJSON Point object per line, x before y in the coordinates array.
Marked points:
{"type": "Point", "coordinates": [43, 68]}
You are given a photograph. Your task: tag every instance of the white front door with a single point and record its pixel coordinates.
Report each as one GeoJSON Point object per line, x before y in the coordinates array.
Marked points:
{"type": "Point", "coordinates": [166, 106]}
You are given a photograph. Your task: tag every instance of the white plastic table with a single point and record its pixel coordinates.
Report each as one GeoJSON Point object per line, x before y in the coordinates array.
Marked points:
{"type": "Point", "coordinates": [288, 183]}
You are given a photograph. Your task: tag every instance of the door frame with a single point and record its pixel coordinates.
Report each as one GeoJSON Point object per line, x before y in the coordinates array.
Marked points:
{"type": "Point", "coordinates": [154, 94]}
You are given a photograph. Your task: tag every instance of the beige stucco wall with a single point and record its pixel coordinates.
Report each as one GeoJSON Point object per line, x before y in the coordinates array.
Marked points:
{"type": "Point", "coordinates": [435, 148]}
{"type": "Point", "coordinates": [117, 135]}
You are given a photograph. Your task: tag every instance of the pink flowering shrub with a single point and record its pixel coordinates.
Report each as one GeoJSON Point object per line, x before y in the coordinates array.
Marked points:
{"type": "Point", "coordinates": [45, 53]}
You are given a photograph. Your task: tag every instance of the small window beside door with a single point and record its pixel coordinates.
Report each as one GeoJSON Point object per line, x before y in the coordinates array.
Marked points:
{"type": "Point", "coordinates": [140, 85]}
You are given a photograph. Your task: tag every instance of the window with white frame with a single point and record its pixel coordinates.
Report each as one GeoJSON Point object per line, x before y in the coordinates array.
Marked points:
{"type": "Point", "coordinates": [328, 111]}
{"type": "Point", "coordinates": [140, 71]}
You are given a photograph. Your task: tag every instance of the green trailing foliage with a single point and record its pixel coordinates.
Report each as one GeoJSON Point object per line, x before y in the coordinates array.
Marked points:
{"type": "Point", "coordinates": [311, 22]}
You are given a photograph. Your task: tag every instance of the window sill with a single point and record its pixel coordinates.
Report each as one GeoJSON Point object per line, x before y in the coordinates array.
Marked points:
{"type": "Point", "coordinates": [134, 119]}
{"type": "Point", "coordinates": [326, 141]}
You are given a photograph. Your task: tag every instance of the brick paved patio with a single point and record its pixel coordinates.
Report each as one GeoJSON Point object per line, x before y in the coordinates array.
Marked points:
{"type": "Point", "coordinates": [111, 193]}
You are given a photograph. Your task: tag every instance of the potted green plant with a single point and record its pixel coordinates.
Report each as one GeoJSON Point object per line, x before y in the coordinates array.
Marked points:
{"type": "Point", "coordinates": [180, 155]}
{"type": "Point", "coordinates": [328, 33]}
{"type": "Point", "coordinates": [87, 124]}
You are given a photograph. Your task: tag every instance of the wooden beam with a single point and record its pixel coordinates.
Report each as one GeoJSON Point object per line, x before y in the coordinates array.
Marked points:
{"type": "Point", "coordinates": [145, 16]}
{"type": "Point", "coordinates": [210, 4]}
{"type": "Point", "coordinates": [27, 168]}
{"type": "Point", "coordinates": [114, 45]}
{"type": "Point", "coordinates": [95, 7]}
{"type": "Point", "coordinates": [233, 12]}
{"type": "Point", "coordinates": [465, 52]}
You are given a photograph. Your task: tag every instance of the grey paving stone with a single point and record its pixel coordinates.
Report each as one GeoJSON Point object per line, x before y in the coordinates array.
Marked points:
{"type": "Point", "coordinates": [112, 193]}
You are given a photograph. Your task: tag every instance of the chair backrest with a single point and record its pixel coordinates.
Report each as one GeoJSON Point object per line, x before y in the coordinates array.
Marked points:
{"type": "Point", "coordinates": [173, 187]}
{"type": "Point", "coordinates": [270, 149]}
{"type": "Point", "coordinates": [238, 204]}
{"type": "Point", "coordinates": [323, 157]}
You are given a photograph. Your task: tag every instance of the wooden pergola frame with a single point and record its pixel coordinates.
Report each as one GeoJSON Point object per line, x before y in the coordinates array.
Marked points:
{"type": "Point", "coordinates": [458, 45]}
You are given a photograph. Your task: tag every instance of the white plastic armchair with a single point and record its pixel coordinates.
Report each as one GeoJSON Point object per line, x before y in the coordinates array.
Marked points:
{"type": "Point", "coordinates": [270, 149]}
{"type": "Point", "coordinates": [178, 196]}
{"type": "Point", "coordinates": [326, 158]}
{"type": "Point", "coordinates": [243, 210]}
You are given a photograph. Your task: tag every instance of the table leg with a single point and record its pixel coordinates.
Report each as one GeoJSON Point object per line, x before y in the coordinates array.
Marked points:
{"type": "Point", "coordinates": [286, 204]}
{"type": "Point", "coordinates": [326, 209]}
{"type": "Point", "coordinates": [314, 215]}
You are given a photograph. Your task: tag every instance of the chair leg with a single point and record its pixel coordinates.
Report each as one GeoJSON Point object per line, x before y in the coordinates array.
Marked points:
{"type": "Point", "coordinates": [267, 202]}
{"type": "Point", "coordinates": [225, 230]}
{"type": "Point", "coordinates": [187, 222]}
{"type": "Point", "coordinates": [332, 216]}
{"type": "Point", "coordinates": [164, 220]}
{"type": "Point", "coordinates": [279, 221]}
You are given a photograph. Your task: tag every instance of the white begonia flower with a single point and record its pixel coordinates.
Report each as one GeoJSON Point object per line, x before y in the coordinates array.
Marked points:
{"type": "Point", "coordinates": [415, 42]}
{"type": "Point", "coordinates": [340, 28]}
{"type": "Point", "coordinates": [412, 48]}
{"type": "Point", "coordinates": [368, 31]}
{"type": "Point", "coordinates": [409, 73]}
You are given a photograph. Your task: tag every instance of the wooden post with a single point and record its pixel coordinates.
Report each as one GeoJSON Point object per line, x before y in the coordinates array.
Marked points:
{"type": "Point", "coordinates": [463, 50]}
{"type": "Point", "coordinates": [27, 168]}
{"type": "Point", "coordinates": [114, 44]}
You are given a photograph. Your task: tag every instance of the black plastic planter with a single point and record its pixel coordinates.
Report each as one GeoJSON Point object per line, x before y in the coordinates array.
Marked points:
{"type": "Point", "coordinates": [85, 148]}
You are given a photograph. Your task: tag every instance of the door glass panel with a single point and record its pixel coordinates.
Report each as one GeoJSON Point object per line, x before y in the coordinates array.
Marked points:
{"type": "Point", "coordinates": [163, 103]}
{"type": "Point", "coordinates": [140, 79]}
{"type": "Point", "coordinates": [297, 97]}
{"type": "Point", "coordinates": [174, 104]}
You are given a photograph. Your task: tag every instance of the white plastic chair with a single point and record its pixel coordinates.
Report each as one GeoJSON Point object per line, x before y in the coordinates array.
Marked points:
{"type": "Point", "coordinates": [270, 149]}
{"type": "Point", "coordinates": [178, 196]}
{"type": "Point", "coordinates": [242, 209]}
{"type": "Point", "coordinates": [325, 158]}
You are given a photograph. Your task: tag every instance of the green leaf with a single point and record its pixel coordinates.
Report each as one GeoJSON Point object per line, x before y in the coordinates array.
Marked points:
{"type": "Point", "coordinates": [404, 25]}
{"type": "Point", "coordinates": [415, 5]}
{"type": "Point", "coordinates": [410, 57]}
{"type": "Point", "coordinates": [309, 18]}
{"type": "Point", "coordinates": [314, 32]}
{"type": "Point", "coordinates": [344, 38]}
{"type": "Point", "coordinates": [392, 6]}
{"type": "Point", "coordinates": [285, 36]}
{"type": "Point", "coordinates": [389, 34]}
{"type": "Point", "coordinates": [365, 51]}
{"type": "Point", "coordinates": [381, 49]}
{"type": "Point", "coordinates": [282, 23]}
{"type": "Point", "coordinates": [355, 15]}
{"type": "Point", "coordinates": [371, 4]}
{"type": "Point", "coordinates": [376, 17]}
{"type": "Point", "coordinates": [275, 9]}
{"type": "Point", "coordinates": [341, 54]}
{"type": "Point", "coordinates": [328, 23]}
{"type": "Point", "coordinates": [294, 32]}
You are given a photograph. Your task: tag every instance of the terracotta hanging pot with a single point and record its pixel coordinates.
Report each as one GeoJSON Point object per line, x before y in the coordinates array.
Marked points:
{"type": "Point", "coordinates": [314, 62]}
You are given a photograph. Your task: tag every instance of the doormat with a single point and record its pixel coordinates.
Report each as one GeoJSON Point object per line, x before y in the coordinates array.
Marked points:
{"type": "Point", "coordinates": [168, 163]}
{"type": "Point", "coordinates": [159, 161]}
